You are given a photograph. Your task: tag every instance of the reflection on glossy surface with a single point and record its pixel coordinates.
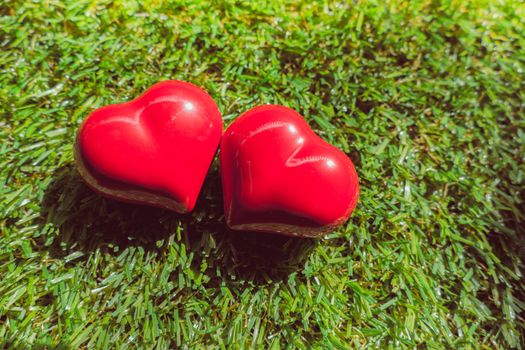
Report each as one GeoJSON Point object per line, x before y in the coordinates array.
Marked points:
{"type": "Point", "coordinates": [279, 176]}
{"type": "Point", "coordinates": [153, 150]}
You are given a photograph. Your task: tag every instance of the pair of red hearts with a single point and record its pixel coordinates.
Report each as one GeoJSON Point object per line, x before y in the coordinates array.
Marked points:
{"type": "Point", "coordinates": [277, 174]}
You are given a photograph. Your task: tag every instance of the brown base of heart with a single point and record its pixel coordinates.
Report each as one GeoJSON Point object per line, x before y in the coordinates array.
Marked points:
{"type": "Point", "coordinates": [121, 191]}
{"type": "Point", "coordinates": [286, 230]}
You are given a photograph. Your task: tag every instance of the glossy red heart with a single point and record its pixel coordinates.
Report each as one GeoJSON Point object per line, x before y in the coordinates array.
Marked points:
{"type": "Point", "coordinates": [279, 176]}
{"type": "Point", "coordinates": [154, 150]}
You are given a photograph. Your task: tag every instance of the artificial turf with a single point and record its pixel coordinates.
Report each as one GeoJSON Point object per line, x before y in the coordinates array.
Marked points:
{"type": "Point", "coordinates": [426, 97]}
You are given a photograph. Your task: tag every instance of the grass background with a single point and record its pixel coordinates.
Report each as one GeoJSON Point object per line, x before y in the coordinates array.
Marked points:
{"type": "Point", "coordinates": [426, 97]}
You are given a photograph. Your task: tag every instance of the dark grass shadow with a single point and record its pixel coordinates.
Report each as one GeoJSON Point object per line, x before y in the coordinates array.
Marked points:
{"type": "Point", "coordinates": [77, 219]}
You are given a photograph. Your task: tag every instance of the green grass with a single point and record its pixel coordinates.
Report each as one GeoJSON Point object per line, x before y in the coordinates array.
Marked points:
{"type": "Point", "coordinates": [426, 97]}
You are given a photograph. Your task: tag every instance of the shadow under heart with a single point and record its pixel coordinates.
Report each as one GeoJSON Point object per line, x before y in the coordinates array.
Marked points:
{"type": "Point", "coordinates": [83, 221]}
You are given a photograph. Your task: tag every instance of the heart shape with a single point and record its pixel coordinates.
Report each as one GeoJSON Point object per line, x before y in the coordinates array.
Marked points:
{"type": "Point", "coordinates": [279, 176]}
{"type": "Point", "coordinates": [154, 150]}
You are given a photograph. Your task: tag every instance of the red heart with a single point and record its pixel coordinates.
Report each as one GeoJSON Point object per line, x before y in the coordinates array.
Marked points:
{"type": "Point", "coordinates": [279, 176]}
{"type": "Point", "coordinates": [154, 150]}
